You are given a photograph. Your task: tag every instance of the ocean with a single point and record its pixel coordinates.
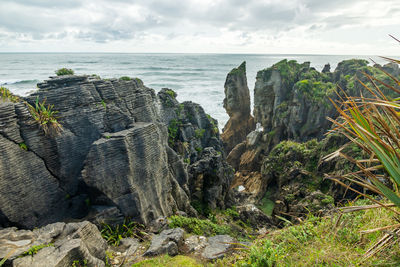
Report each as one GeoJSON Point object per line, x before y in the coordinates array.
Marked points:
{"type": "Point", "coordinates": [195, 77]}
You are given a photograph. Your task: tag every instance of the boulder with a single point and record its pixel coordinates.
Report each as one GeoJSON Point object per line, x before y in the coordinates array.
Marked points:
{"type": "Point", "coordinates": [195, 244]}
{"type": "Point", "coordinates": [217, 246]}
{"type": "Point", "coordinates": [57, 244]}
{"type": "Point", "coordinates": [168, 241]}
{"type": "Point", "coordinates": [254, 216]}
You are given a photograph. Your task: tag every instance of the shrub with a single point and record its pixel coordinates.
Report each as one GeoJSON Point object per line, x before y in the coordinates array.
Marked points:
{"type": "Point", "coordinates": [45, 116]}
{"type": "Point", "coordinates": [173, 128]}
{"type": "Point", "coordinates": [6, 95]}
{"type": "Point", "coordinates": [125, 78]}
{"type": "Point", "coordinates": [171, 93]}
{"type": "Point", "coordinates": [114, 233]}
{"type": "Point", "coordinates": [64, 71]}
{"type": "Point", "coordinates": [198, 226]}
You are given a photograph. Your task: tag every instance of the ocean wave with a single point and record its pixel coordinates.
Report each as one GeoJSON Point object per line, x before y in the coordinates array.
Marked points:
{"type": "Point", "coordinates": [16, 82]}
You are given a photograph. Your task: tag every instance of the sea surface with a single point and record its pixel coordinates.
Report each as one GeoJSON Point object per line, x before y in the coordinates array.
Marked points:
{"type": "Point", "coordinates": [195, 77]}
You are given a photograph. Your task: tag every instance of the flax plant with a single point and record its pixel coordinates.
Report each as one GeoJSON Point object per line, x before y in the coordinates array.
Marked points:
{"type": "Point", "coordinates": [45, 116]}
{"type": "Point", "coordinates": [373, 123]}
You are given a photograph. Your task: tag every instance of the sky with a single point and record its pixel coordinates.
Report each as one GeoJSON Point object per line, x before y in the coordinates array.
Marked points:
{"type": "Point", "coordinates": [342, 27]}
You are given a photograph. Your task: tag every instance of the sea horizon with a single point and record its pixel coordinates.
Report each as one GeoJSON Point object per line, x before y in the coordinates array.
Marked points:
{"type": "Point", "coordinates": [197, 77]}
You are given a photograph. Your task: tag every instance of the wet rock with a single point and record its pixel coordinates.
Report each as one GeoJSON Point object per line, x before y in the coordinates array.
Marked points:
{"type": "Point", "coordinates": [168, 241]}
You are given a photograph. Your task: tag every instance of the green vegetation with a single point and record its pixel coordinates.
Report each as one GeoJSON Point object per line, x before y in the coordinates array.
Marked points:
{"type": "Point", "coordinates": [45, 116]}
{"type": "Point", "coordinates": [198, 226]}
{"type": "Point", "coordinates": [179, 109]}
{"type": "Point", "coordinates": [125, 78]}
{"type": "Point", "coordinates": [6, 95]}
{"type": "Point", "coordinates": [173, 129]}
{"type": "Point", "coordinates": [307, 154]}
{"type": "Point", "coordinates": [64, 71]}
{"type": "Point", "coordinates": [78, 263]}
{"type": "Point", "coordinates": [199, 133]}
{"type": "Point", "coordinates": [329, 241]}
{"type": "Point", "coordinates": [34, 249]}
{"type": "Point", "coordinates": [267, 205]}
{"type": "Point", "coordinates": [241, 70]}
{"type": "Point", "coordinates": [23, 146]}
{"type": "Point", "coordinates": [169, 261]}
{"type": "Point", "coordinates": [103, 104]}
{"type": "Point", "coordinates": [315, 90]}
{"type": "Point", "coordinates": [114, 233]}
{"type": "Point", "coordinates": [171, 93]}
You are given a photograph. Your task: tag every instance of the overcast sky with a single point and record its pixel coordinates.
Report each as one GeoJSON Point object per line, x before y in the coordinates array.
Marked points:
{"type": "Point", "coordinates": [201, 26]}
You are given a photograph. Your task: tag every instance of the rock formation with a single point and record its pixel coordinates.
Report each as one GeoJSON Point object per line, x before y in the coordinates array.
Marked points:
{"type": "Point", "coordinates": [121, 153]}
{"type": "Point", "coordinates": [57, 244]}
{"type": "Point", "coordinates": [237, 105]}
{"type": "Point", "coordinates": [291, 102]}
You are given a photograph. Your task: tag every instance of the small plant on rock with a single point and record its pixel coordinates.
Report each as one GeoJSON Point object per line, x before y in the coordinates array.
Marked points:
{"type": "Point", "coordinates": [64, 71]}
{"type": "Point", "coordinates": [113, 234]}
{"type": "Point", "coordinates": [35, 249]}
{"type": "Point", "coordinates": [45, 116]}
{"type": "Point", "coordinates": [6, 95]}
{"type": "Point", "coordinates": [125, 78]}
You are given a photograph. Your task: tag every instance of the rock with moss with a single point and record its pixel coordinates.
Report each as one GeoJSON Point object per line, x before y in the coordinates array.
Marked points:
{"type": "Point", "coordinates": [114, 129]}
{"type": "Point", "coordinates": [194, 136]}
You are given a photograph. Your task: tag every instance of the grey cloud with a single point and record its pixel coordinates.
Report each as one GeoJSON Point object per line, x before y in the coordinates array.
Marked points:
{"type": "Point", "coordinates": [46, 3]}
{"type": "Point", "coordinates": [42, 19]}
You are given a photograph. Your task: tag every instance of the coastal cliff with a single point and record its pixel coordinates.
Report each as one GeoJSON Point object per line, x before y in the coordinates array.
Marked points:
{"type": "Point", "coordinates": [237, 105]}
{"type": "Point", "coordinates": [282, 161]}
{"type": "Point", "coordinates": [114, 151]}
{"type": "Point", "coordinates": [140, 169]}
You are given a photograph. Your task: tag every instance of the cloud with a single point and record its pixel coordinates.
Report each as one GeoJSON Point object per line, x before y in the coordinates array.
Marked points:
{"type": "Point", "coordinates": [252, 21]}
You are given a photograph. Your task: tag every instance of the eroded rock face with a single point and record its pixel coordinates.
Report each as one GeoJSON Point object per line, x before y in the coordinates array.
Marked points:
{"type": "Point", "coordinates": [237, 105]}
{"type": "Point", "coordinates": [117, 150]}
{"type": "Point", "coordinates": [61, 244]}
{"type": "Point", "coordinates": [194, 135]}
{"type": "Point", "coordinates": [279, 161]}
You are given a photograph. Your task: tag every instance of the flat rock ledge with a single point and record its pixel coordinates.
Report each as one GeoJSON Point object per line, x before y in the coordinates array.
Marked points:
{"type": "Point", "coordinates": [57, 244]}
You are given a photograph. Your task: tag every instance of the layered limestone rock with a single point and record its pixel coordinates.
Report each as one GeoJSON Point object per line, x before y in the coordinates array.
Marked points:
{"type": "Point", "coordinates": [237, 105]}
{"type": "Point", "coordinates": [194, 135]}
{"type": "Point", "coordinates": [291, 104]}
{"type": "Point", "coordinates": [122, 149]}
{"type": "Point", "coordinates": [57, 244]}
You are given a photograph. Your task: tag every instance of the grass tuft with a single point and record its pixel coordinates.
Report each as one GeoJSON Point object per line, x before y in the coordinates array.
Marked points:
{"type": "Point", "coordinates": [64, 71]}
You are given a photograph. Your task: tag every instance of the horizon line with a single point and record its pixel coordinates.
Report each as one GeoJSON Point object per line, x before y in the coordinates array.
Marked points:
{"type": "Point", "coordinates": [190, 53]}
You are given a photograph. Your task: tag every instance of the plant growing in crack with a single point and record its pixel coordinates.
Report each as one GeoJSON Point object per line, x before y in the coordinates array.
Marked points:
{"type": "Point", "coordinates": [45, 116]}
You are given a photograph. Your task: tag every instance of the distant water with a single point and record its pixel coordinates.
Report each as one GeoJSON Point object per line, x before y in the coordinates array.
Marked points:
{"type": "Point", "coordinates": [196, 77]}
